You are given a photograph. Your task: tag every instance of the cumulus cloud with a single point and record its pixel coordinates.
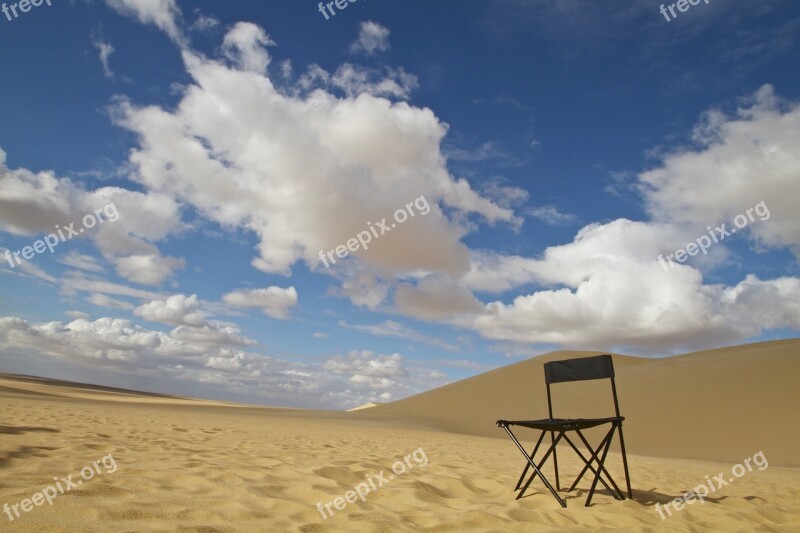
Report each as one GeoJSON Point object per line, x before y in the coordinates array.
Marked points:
{"type": "Point", "coordinates": [372, 38]}
{"type": "Point", "coordinates": [606, 289]}
{"type": "Point", "coordinates": [353, 80]}
{"type": "Point", "coordinates": [305, 172]}
{"type": "Point", "coordinates": [365, 368]}
{"type": "Point", "coordinates": [245, 45]}
{"type": "Point", "coordinates": [392, 83]}
{"type": "Point", "coordinates": [191, 316]}
{"type": "Point", "coordinates": [275, 302]}
{"type": "Point", "coordinates": [39, 203]}
{"type": "Point", "coordinates": [176, 310]}
{"type": "Point", "coordinates": [148, 269]}
{"type": "Point", "coordinates": [212, 333]}
{"type": "Point", "coordinates": [741, 160]}
{"type": "Point", "coordinates": [32, 203]}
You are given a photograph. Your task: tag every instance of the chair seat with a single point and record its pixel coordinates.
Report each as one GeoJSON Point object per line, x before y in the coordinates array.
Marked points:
{"type": "Point", "coordinates": [562, 424]}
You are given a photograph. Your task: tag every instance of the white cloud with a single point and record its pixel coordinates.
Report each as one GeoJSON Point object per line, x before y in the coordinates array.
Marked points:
{"type": "Point", "coordinates": [551, 216]}
{"type": "Point", "coordinates": [245, 45]}
{"type": "Point", "coordinates": [275, 302]}
{"type": "Point", "coordinates": [204, 23]}
{"type": "Point", "coordinates": [366, 363]}
{"type": "Point", "coordinates": [495, 273]}
{"type": "Point", "coordinates": [148, 269]}
{"type": "Point", "coordinates": [372, 38]}
{"type": "Point", "coordinates": [104, 51]}
{"type": "Point", "coordinates": [353, 80]}
{"type": "Point", "coordinates": [230, 144]}
{"type": "Point", "coordinates": [391, 328]}
{"type": "Point", "coordinates": [362, 286]}
{"type": "Point", "coordinates": [212, 333]}
{"type": "Point", "coordinates": [81, 262]}
{"type": "Point", "coordinates": [32, 204]}
{"type": "Point", "coordinates": [504, 195]}
{"type": "Point", "coordinates": [190, 315]}
{"type": "Point", "coordinates": [742, 160]}
{"type": "Point", "coordinates": [76, 282]}
{"type": "Point", "coordinates": [106, 339]}
{"type": "Point", "coordinates": [102, 300]}
{"type": "Point", "coordinates": [381, 374]}
{"type": "Point", "coordinates": [435, 297]}
{"type": "Point", "coordinates": [176, 310]}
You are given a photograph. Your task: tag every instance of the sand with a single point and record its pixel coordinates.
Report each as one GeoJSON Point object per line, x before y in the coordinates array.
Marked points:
{"type": "Point", "coordinates": [187, 465]}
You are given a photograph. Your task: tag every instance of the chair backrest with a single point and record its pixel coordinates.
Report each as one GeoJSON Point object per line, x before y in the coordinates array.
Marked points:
{"type": "Point", "coordinates": [581, 369]}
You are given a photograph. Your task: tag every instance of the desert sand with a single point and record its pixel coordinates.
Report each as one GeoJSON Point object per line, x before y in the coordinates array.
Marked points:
{"type": "Point", "coordinates": [198, 465]}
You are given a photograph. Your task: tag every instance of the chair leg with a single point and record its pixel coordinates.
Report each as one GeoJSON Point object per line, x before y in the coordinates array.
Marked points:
{"type": "Point", "coordinates": [618, 495]}
{"type": "Point", "coordinates": [539, 471]}
{"type": "Point", "coordinates": [527, 466]}
{"type": "Point", "coordinates": [600, 466]}
{"type": "Point", "coordinates": [592, 458]}
{"type": "Point", "coordinates": [625, 461]}
{"type": "Point", "coordinates": [555, 460]}
{"type": "Point", "coordinates": [588, 462]}
{"type": "Point", "coordinates": [536, 469]}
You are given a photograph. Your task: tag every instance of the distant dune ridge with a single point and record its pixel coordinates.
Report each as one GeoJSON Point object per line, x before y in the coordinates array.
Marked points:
{"type": "Point", "coordinates": [367, 405]}
{"type": "Point", "coordinates": [201, 465]}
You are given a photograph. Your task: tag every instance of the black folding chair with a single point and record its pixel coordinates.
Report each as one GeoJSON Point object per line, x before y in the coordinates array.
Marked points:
{"type": "Point", "coordinates": [586, 368]}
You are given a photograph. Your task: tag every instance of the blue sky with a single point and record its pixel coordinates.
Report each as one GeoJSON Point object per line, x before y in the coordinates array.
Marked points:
{"type": "Point", "coordinates": [555, 149]}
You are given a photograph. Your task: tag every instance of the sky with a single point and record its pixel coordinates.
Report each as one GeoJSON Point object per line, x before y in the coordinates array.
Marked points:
{"type": "Point", "coordinates": [292, 204]}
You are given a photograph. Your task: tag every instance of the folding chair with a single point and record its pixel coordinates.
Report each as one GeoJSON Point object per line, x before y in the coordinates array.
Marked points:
{"type": "Point", "coordinates": [586, 368]}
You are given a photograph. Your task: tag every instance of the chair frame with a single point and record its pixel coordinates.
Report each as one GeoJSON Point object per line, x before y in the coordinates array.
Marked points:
{"type": "Point", "coordinates": [580, 369]}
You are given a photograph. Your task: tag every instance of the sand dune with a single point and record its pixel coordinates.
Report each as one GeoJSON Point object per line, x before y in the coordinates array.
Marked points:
{"type": "Point", "coordinates": [190, 465]}
{"type": "Point", "coordinates": [719, 405]}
